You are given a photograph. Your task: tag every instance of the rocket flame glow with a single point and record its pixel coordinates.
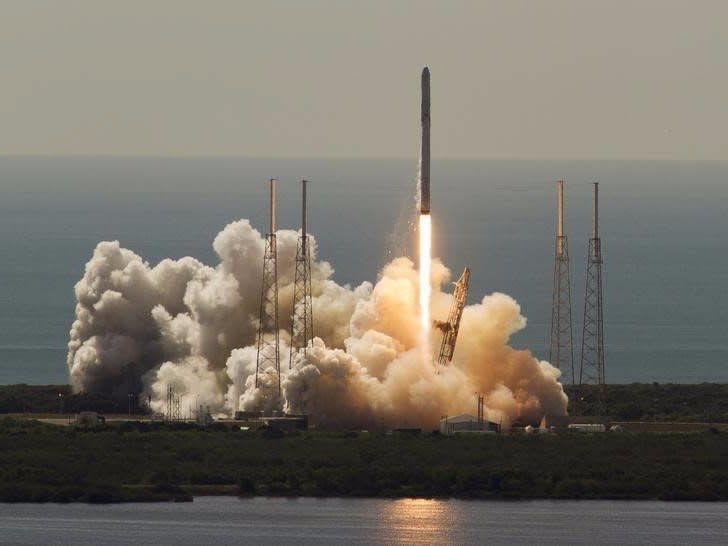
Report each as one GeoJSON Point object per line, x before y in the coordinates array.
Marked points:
{"type": "Point", "coordinates": [425, 274]}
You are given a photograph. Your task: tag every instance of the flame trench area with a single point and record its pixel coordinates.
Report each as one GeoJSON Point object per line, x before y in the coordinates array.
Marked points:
{"type": "Point", "coordinates": [425, 230]}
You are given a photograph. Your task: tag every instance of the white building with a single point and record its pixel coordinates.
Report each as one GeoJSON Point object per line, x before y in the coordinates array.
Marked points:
{"type": "Point", "coordinates": [464, 422]}
{"type": "Point", "coordinates": [574, 423]}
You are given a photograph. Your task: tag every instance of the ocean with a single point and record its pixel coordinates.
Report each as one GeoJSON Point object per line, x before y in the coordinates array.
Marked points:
{"type": "Point", "coordinates": [663, 227]}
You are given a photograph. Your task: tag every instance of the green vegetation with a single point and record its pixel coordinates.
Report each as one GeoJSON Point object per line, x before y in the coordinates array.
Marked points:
{"type": "Point", "coordinates": [138, 461]}
{"type": "Point", "coordinates": [45, 399]}
{"type": "Point", "coordinates": [705, 402]}
{"type": "Point", "coordinates": [134, 462]}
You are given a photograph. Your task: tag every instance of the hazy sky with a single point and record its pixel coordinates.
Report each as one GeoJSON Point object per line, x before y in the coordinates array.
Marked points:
{"type": "Point", "coordinates": [510, 79]}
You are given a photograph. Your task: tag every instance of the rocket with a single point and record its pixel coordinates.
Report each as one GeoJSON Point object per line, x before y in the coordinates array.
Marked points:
{"type": "Point", "coordinates": [425, 146]}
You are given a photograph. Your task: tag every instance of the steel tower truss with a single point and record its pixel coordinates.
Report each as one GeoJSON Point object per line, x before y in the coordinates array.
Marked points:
{"type": "Point", "coordinates": [268, 364]}
{"type": "Point", "coordinates": [173, 405]}
{"type": "Point", "coordinates": [302, 319]}
{"type": "Point", "coordinates": [451, 327]}
{"type": "Point", "coordinates": [561, 351]}
{"type": "Point", "coordinates": [592, 345]}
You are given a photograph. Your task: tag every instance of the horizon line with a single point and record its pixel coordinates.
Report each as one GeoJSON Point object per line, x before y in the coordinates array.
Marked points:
{"type": "Point", "coordinates": [354, 158]}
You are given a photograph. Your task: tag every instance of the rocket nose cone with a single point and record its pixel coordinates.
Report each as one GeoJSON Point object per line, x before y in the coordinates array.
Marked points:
{"type": "Point", "coordinates": [425, 73]}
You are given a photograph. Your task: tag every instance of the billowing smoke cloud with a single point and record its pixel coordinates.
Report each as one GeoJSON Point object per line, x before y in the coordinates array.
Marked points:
{"type": "Point", "coordinates": [182, 323]}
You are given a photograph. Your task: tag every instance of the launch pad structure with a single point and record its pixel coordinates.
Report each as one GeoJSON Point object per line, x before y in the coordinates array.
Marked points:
{"type": "Point", "coordinates": [451, 327]}
{"type": "Point", "coordinates": [302, 318]}
{"type": "Point", "coordinates": [591, 369]}
{"type": "Point", "coordinates": [268, 361]}
{"type": "Point", "coordinates": [561, 349]}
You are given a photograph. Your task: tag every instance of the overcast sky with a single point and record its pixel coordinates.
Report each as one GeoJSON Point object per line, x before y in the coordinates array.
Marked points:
{"type": "Point", "coordinates": [541, 79]}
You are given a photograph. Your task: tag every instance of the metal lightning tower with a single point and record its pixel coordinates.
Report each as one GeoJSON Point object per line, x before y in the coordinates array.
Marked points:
{"type": "Point", "coordinates": [268, 365]}
{"type": "Point", "coordinates": [302, 320]}
{"type": "Point", "coordinates": [592, 341]}
{"type": "Point", "coordinates": [561, 352]}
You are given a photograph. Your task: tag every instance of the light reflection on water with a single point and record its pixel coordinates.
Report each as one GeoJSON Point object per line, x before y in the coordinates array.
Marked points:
{"type": "Point", "coordinates": [408, 521]}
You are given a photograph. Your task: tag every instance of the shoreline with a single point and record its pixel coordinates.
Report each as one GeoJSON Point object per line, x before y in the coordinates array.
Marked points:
{"type": "Point", "coordinates": [134, 463]}
{"type": "Point", "coordinates": [193, 493]}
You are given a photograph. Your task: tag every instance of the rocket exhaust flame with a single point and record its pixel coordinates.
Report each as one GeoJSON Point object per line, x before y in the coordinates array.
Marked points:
{"type": "Point", "coordinates": [425, 275]}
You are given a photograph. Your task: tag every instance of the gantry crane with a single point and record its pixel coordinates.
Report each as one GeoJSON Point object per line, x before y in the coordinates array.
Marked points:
{"type": "Point", "coordinates": [451, 327]}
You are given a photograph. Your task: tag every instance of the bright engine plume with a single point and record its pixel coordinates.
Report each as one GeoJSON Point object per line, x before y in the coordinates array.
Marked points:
{"type": "Point", "coordinates": [425, 275]}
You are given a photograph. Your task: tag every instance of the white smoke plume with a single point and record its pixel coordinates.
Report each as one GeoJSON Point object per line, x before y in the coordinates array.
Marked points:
{"type": "Point", "coordinates": [182, 323]}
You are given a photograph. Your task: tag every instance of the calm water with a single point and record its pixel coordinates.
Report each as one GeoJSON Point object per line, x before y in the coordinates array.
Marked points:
{"type": "Point", "coordinates": [227, 520]}
{"type": "Point", "coordinates": [664, 227]}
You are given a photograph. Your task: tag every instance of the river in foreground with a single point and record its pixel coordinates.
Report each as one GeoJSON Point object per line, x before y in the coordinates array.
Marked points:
{"type": "Point", "coordinates": [228, 520]}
